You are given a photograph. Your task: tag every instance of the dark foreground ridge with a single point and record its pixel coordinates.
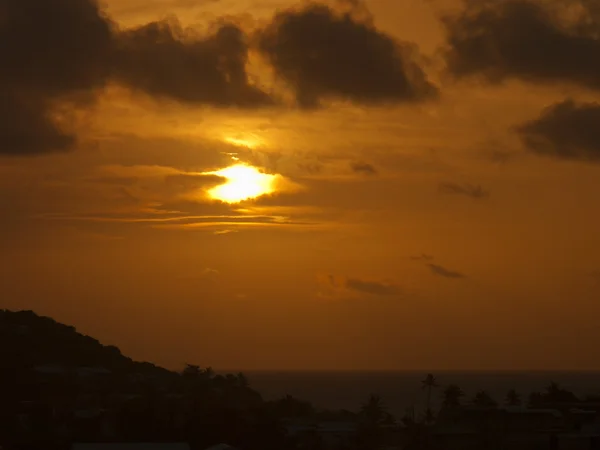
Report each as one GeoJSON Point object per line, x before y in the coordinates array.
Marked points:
{"type": "Point", "coordinates": [60, 388]}
{"type": "Point", "coordinates": [29, 341]}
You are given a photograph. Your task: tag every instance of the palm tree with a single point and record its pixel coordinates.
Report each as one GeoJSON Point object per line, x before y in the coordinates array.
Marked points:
{"type": "Point", "coordinates": [451, 396]}
{"type": "Point", "coordinates": [429, 383]}
{"type": "Point", "coordinates": [513, 398]}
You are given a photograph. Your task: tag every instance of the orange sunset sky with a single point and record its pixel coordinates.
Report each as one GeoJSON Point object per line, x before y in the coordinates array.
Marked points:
{"type": "Point", "coordinates": [434, 192]}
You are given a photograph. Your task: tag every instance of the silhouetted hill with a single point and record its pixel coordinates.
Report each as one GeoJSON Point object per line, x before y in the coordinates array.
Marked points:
{"type": "Point", "coordinates": [28, 340]}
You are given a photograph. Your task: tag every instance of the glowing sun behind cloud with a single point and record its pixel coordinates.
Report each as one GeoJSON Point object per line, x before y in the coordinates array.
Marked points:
{"type": "Point", "coordinates": [243, 183]}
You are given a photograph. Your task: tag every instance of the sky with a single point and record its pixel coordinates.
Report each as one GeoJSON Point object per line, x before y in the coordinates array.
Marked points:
{"type": "Point", "coordinates": [432, 198]}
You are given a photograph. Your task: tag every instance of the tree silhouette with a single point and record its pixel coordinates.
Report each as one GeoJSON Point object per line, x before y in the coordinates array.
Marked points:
{"type": "Point", "coordinates": [429, 383]}
{"type": "Point", "coordinates": [409, 417]}
{"type": "Point", "coordinates": [536, 399]}
{"type": "Point", "coordinates": [483, 399]}
{"type": "Point", "coordinates": [374, 410]}
{"type": "Point", "coordinates": [553, 394]}
{"type": "Point", "coordinates": [141, 402]}
{"type": "Point", "coordinates": [290, 406]}
{"type": "Point", "coordinates": [556, 394]}
{"type": "Point", "coordinates": [370, 432]}
{"type": "Point", "coordinates": [452, 396]}
{"type": "Point", "coordinates": [191, 371]}
{"type": "Point", "coordinates": [429, 416]}
{"type": "Point", "coordinates": [513, 398]}
{"type": "Point", "coordinates": [242, 380]}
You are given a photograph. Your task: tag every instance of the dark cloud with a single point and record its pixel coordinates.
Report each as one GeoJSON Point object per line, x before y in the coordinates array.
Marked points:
{"type": "Point", "coordinates": [53, 47]}
{"type": "Point", "coordinates": [566, 130]}
{"type": "Point", "coordinates": [27, 128]}
{"type": "Point", "coordinates": [163, 59]}
{"type": "Point", "coordinates": [51, 51]}
{"type": "Point", "coordinates": [363, 167]}
{"type": "Point", "coordinates": [324, 54]}
{"type": "Point", "coordinates": [372, 287]}
{"type": "Point", "coordinates": [476, 192]}
{"type": "Point", "coordinates": [525, 39]}
{"type": "Point", "coordinates": [443, 272]}
{"type": "Point", "coordinates": [58, 53]}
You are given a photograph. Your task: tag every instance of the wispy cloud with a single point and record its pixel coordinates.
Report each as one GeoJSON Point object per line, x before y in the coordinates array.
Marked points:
{"type": "Point", "coordinates": [437, 269]}
{"type": "Point", "coordinates": [193, 219]}
{"type": "Point", "coordinates": [441, 271]}
{"type": "Point", "coordinates": [222, 232]}
{"type": "Point", "coordinates": [139, 171]}
{"type": "Point", "coordinates": [332, 286]}
{"type": "Point", "coordinates": [292, 225]}
{"type": "Point", "coordinates": [474, 191]}
{"type": "Point", "coordinates": [364, 168]}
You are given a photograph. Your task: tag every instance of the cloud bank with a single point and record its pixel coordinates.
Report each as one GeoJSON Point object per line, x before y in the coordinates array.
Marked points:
{"type": "Point", "coordinates": [57, 54]}
{"type": "Point", "coordinates": [533, 41]}
{"type": "Point", "coordinates": [50, 51]}
{"type": "Point", "coordinates": [525, 39]}
{"type": "Point", "coordinates": [566, 130]}
{"type": "Point", "coordinates": [324, 54]}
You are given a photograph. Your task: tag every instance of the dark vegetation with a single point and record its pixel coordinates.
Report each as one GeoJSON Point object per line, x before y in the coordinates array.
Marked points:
{"type": "Point", "coordinates": [58, 386]}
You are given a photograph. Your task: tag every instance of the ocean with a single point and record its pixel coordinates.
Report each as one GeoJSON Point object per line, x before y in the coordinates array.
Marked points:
{"type": "Point", "coordinates": [402, 390]}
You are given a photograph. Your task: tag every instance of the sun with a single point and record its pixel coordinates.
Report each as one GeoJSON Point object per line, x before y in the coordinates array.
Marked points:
{"type": "Point", "coordinates": [243, 183]}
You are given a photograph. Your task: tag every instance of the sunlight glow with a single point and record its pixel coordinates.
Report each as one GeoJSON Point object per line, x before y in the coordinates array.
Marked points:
{"type": "Point", "coordinates": [249, 141]}
{"type": "Point", "coordinates": [243, 183]}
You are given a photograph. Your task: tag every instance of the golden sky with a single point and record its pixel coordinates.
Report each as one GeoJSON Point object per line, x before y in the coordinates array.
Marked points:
{"type": "Point", "coordinates": [431, 171]}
